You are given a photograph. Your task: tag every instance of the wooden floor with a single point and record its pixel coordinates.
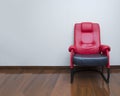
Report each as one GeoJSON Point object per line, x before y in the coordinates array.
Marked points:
{"type": "Point", "coordinates": [37, 82]}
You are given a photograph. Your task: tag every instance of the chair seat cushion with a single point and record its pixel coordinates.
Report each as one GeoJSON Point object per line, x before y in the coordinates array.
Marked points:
{"type": "Point", "coordinates": [90, 60]}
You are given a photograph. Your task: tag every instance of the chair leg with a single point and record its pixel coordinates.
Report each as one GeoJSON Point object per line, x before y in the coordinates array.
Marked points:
{"type": "Point", "coordinates": [108, 75]}
{"type": "Point", "coordinates": [102, 69]}
{"type": "Point", "coordinates": [106, 78]}
{"type": "Point", "coordinates": [72, 75]}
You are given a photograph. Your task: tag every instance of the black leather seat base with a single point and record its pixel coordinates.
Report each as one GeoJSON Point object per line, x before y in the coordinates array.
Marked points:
{"type": "Point", "coordinates": [90, 60]}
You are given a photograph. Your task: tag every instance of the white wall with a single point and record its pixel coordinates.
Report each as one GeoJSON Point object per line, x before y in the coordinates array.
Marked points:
{"type": "Point", "coordinates": [39, 32]}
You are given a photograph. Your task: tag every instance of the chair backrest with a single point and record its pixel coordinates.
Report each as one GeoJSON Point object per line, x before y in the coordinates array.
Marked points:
{"type": "Point", "coordinates": [87, 38]}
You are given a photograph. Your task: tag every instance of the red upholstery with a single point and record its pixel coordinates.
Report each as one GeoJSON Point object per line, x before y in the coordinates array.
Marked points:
{"type": "Point", "coordinates": [87, 41]}
{"type": "Point", "coordinates": [87, 38]}
{"type": "Point", "coordinates": [103, 48]}
{"type": "Point", "coordinates": [87, 27]}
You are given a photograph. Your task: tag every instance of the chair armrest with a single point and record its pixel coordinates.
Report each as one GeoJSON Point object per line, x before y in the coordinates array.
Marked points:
{"type": "Point", "coordinates": [103, 48]}
{"type": "Point", "coordinates": [72, 47]}
{"type": "Point", "coordinates": [71, 59]}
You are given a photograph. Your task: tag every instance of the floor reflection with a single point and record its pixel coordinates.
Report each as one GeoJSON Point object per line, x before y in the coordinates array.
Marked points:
{"type": "Point", "coordinates": [90, 85]}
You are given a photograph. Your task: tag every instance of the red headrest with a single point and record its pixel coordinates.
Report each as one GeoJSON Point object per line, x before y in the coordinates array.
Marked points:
{"type": "Point", "coordinates": [86, 27]}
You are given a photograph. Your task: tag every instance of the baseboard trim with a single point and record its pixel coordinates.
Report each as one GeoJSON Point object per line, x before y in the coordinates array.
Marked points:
{"type": "Point", "coordinates": [47, 67]}
{"type": "Point", "coordinates": [35, 67]}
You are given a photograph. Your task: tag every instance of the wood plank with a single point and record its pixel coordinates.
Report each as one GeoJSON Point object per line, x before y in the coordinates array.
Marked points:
{"type": "Point", "coordinates": [54, 82]}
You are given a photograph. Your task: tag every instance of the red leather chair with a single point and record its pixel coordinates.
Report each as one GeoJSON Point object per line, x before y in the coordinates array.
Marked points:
{"type": "Point", "coordinates": [87, 49]}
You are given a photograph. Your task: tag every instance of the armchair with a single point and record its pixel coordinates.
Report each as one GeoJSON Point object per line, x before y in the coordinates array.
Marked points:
{"type": "Point", "coordinates": [87, 49]}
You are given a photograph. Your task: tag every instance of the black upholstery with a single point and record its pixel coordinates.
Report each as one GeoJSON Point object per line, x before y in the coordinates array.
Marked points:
{"type": "Point", "coordinates": [90, 60]}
